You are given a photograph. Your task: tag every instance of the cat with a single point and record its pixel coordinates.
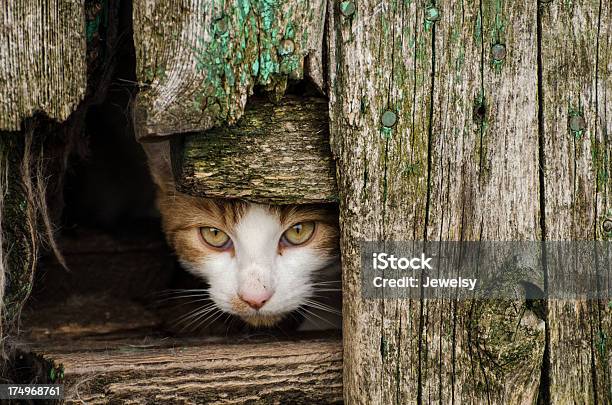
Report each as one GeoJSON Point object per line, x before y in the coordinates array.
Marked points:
{"type": "Point", "coordinates": [262, 262]}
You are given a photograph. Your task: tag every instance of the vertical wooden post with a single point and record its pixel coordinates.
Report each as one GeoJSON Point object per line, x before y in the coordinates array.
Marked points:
{"type": "Point", "coordinates": [484, 185]}
{"type": "Point", "coordinates": [576, 121]}
{"type": "Point", "coordinates": [434, 124]}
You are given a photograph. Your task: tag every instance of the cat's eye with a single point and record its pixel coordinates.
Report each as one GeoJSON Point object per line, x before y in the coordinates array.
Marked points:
{"type": "Point", "coordinates": [299, 233]}
{"type": "Point", "coordinates": [215, 237]}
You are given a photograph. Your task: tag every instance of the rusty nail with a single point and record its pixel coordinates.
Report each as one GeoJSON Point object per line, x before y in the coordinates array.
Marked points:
{"type": "Point", "coordinates": [389, 119]}
{"type": "Point", "coordinates": [221, 25]}
{"type": "Point", "coordinates": [498, 51]}
{"type": "Point", "coordinates": [432, 14]}
{"type": "Point", "coordinates": [606, 226]}
{"type": "Point", "coordinates": [577, 123]}
{"type": "Point", "coordinates": [286, 47]}
{"type": "Point", "coordinates": [347, 8]}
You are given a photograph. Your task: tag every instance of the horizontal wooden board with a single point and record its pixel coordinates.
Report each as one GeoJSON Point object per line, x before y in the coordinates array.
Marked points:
{"type": "Point", "coordinates": [277, 153]}
{"type": "Point", "coordinates": [233, 370]}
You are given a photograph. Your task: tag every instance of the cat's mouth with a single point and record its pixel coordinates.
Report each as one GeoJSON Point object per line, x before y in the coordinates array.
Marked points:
{"type": "Point", "coordinates": [261, 320]}
{"type": "Point", "coordinates": [254, 318]}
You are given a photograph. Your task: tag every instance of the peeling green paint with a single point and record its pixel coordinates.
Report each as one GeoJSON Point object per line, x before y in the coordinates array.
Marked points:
{"type": "Point", "coordinates": [602, 344]}
{"type": "Point", "coordinates": [432, 14]}
{"type": "Point", "coordinates": [386, 132]}
{"type": "Point", "coordinates": [248, 43]}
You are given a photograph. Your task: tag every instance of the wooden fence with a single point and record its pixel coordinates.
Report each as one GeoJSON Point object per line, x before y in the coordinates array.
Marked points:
{"type": "Point", "coordinates": [448, 120]}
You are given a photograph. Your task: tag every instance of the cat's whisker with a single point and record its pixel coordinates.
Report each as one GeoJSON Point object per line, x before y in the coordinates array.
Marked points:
{"type": "Point", "coordinates": [326, 282]}
{"type": "Point", "coordinates": [305, 315]}
{"type": "Point", "coordinates": [178, 300]}
{"type": "Point", "coordinates": [176, 295]}
{"type": "Point", "coordinates": [322, 307]}
{"type": "Point", "coordinates": [227, 318]}
{"type": "Point", "coordinates": [210, 321]}
{"type": "Point", "coordinates": [188, 302]}
{"type": "Point", "coordinates": [183, 290]}
{"type": "Point", "coordinates": [202, 318]}
{"type": "Point", "coordinates": [292, 315]}
{"type": "Point", "coordinates": [189, 315]}
{"type": "Point", "coordinates": [194, 313]}
{"type": "Point", "coordinates": [190, 320]}
{"type": "Point", "coordinates": [318, 316]}
{"type": "Point", "coordinates": [230, 323]}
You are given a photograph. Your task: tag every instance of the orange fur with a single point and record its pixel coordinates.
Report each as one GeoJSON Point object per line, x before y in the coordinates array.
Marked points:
{"type": "Point", "coordinates": [183, 215]}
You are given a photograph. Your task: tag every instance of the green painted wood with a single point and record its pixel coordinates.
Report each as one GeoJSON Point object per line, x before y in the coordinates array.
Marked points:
{"type": "Point", "coordinates": [199, 60]}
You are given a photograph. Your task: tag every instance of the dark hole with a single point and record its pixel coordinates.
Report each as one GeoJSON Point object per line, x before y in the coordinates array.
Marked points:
{"type": "Point", "coordinates": [480, 111]}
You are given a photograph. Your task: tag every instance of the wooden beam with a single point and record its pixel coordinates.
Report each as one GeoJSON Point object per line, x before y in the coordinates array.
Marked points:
{"type": "Point", "coordinates": [277, 153]}
{"type": "Point", "coordinates": [197, 371]}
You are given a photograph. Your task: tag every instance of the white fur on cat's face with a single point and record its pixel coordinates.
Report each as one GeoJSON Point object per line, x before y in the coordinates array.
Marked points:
{"type": "Point", "coordinates": [257, 265]}
{"type": "Point", "coordinates": [256, 268]}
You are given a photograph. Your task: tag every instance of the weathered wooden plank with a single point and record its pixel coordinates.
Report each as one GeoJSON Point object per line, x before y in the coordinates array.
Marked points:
{"type": "Point", "coordinates": [602, 125]}
{"type": "Point", "coordinates": [276, 153]}
{"type": "Point", "coordinates": [153, 371]}
{"type": "Point", "coordinates": [575, 115]}
{"type": "Point", "coordinates": [449, 166]}
{"type": "Point", "coordinates": [380, 59]}
{"type": "Point", "coordinates": [483, 185]}
{"type": "Point", "coordinates": [198, 60]}
{"type": "Point", "coordinates": [43, 64]}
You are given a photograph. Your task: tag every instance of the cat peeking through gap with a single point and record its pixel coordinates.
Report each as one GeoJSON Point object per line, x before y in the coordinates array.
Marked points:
{"type": "Point", "coordinates": [261, 262]}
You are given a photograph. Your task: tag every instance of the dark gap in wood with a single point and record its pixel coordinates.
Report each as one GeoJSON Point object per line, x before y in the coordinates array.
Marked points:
{"type": "Point", "coordinates": [600, 316]}
{"type": "Point", "coordinates": [480, 109]}
{"type": "Point", "coordinates": [544, 387]}
{"type": "Point", "coordinates": [427, 203]}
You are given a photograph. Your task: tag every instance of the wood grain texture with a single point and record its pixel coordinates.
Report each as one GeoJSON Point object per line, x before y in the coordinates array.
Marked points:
{"type": "Point", "coordinates": [155, 371]}
{"type": "Point", "coordinates": [444, 171]}
{"type": "Point", "coordinates": [380, 59]}
{"type": "Point", "coordinates": [483, 184]}
{"type": "Point", "coordinates": [198, 60]}
{"type": "Point", "coordinates": [276, 153]}
{"type": "Point", "coordinates": [575, 86]}
{"type": "Point", "coordinates": [42, 60]}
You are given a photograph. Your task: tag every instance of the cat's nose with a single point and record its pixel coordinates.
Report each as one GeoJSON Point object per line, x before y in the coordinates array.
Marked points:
{"type": "Point", "coordinates": [256, 300]}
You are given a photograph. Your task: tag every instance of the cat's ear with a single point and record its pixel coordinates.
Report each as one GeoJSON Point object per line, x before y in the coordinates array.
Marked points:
{"type": "Point", "coordinates": [160, 166]}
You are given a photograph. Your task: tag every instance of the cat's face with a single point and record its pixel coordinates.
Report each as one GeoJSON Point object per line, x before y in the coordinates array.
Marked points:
{"type": "Point", "coordinates": [261, 262]}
